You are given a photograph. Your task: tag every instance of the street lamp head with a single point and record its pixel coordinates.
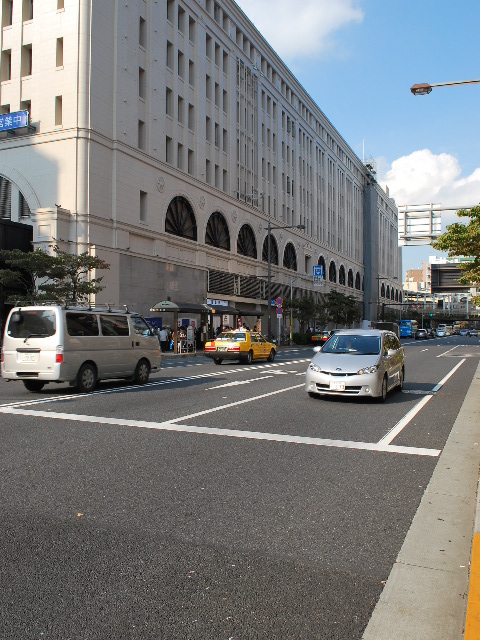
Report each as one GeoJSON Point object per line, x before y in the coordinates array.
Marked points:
{"type": "Point", "coordinates": [421, 89]}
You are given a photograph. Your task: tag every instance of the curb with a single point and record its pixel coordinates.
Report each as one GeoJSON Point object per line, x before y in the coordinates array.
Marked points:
{"type": "Point", "coordinates": [426, 594]}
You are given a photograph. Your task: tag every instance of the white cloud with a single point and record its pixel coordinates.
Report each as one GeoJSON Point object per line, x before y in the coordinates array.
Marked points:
{"type": "Point", "coordinates": [423, 178]}
{"type": "Point", "coordinates": [304, 29]}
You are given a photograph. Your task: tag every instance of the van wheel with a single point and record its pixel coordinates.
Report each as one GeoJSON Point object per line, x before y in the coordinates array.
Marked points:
{"type": "Point", "coordinates": [33, 385]}
{"type": "Point", "coordinates": [142, 372]}
{"type": "Point", "coordinates": [87, 378]}
{"type": "Point", "coordinates": [401, 378]}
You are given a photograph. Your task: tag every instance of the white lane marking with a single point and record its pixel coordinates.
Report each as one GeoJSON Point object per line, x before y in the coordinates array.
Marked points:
{"type": "Point", "coordinates": [443, 380]}
{"type": "Point", "coordinates": [232, 433]}
{"type": "Point", "coordinates": [445, 352]}
{"type": "Point", "coordinates": [237, 383]}
{"type": "Point", "coordinates": [424, 350]}
{"type": "Point", "coordinates": [152, 383]}
{"type": "Point", "coordinates": [393, 433]}
{"type": "Point", "coordinates": [395, 430]}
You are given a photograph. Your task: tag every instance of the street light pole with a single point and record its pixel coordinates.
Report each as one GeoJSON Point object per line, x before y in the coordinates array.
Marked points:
{"type": "Point", "coordinates": [424, 88]}
{"type": "Point", "coordinates": [269, 269]}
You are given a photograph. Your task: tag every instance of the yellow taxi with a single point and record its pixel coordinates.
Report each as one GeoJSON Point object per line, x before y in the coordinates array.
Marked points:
{"type": "Point", "coordinates": [245, 346]}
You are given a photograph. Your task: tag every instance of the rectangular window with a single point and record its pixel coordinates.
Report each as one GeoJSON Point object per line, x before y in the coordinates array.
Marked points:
{"type": "Point", "coordinates": [180, 64]}
{"type": "Point", "coordinates": [7, 13]}
{"type": "Point", "coordinates": [208, 46]}
{"type": "Point", "coordinates": [225, 102]}
{"type": "Point", "coordinates": [59, 56]}
{"type": "Point", "coordinates": [181, 20]}
{"type": "Point", "coordinates": [191, 29]}
{"type": "Point", "coordinates": [208, 88]}
{"type": "Point", "coordinates": [169, 150]}
{"type": "Point", "coordinates": [60, 4]}
{"type": "Point", "coordinates": [142, 138]}
{"type": "Point", "coordinates": [218, 52]}
{"type": "Point", "coordinates": [170, 10]}
{"type": "Point", "coordinates": [225, 62]}
{"type": "Point", "coordinates": [142, 83]}
{"type": "Point", "coordinates": [58, 111]}
{"type": "Point", "coordinates": [191, 73]}
{"type": "Point", "coordinates": [27, 13]}
{"type": "Point", "coordinates": [180, 157]}
{"type": "Point", "coordinates": [142, 32]}
{"type": "Point", "coordinates": [169, 59]}
{"type": "Point", "coordinates": [191, 117]}
{"type": "Point", "coordinates": [190, 167]}
{"type": "Point", "coordinates": [217, 135]}
{"type": "Point", "coordinates": [168, 102]}
{"type": "Point", "coordinates": [208, 129]}
{"type": "Point", "coordinates": [217, 94]}
{"type": "Point", "coordinates": [143, 206]}
{"type": "Point", "coordinates": [208, 171]}
{"type": "Point", "coordinates": [6, 66]}
{"type": "Point", "coordinates": [26, 105]}
{"type": "Point", "coordinates": [180, 110]}
{"type": "Point", "coordinates": [26, 60]}
{"type": "Point", "coordinates": [82, 324]}
{"type": "Point", "coordinates": [114, 325]}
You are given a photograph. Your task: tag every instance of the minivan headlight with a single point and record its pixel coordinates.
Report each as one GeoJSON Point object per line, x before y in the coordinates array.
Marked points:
{"type": "Point", "coordinates": [365, 370]}
{"type": "Point", "coordinates": [314, 367]}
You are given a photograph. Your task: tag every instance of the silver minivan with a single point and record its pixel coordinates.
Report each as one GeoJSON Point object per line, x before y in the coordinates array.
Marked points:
{"type": "Point", "coordinates": [52, 343]}
{"type": "Point", "coordinates": [357, 362]}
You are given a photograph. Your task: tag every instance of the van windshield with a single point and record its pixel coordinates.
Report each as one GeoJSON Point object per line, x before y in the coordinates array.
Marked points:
{"type": "Point", "coordinates": [34, 323]}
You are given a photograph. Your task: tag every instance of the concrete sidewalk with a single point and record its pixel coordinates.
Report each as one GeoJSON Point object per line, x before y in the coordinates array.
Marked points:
{"type": "Point", "coordinates": [427, 592]}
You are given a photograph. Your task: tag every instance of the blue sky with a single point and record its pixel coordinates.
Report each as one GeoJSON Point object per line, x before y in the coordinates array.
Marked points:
{"type": "Point", "coordinates": [358, 59]}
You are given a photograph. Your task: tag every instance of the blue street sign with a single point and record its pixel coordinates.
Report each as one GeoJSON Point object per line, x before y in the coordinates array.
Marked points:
{"type": "Point", "coordinates": [14, 120]}
{"type": "Point", "coordinates": [318, 271]}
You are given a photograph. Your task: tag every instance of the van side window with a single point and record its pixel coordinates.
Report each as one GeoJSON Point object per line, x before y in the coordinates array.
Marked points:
{"type": "Point", "coordinates": [140, 327]}
{"type": "Point", "coordinates": [82, 324]}
{"type": "Point", "coordinates": [114, 325]}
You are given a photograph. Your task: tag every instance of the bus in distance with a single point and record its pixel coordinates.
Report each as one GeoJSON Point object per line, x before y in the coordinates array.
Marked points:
{"type": "Point", "coordinates": [407, 328]}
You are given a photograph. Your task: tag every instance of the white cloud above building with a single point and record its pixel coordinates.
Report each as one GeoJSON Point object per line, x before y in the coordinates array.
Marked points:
{"type": "Point", "coordinates": [304, 29]}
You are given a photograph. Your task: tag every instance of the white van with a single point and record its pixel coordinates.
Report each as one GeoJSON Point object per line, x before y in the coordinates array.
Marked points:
{"type": "Point", "coordinates": [77, 345]}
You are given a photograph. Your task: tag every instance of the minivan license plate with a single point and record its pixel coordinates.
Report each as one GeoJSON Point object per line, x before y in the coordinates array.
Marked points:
{"type": "Point", "coordinates": [336, 385]}
{"type": "Point", "coordinates": [29, 357]}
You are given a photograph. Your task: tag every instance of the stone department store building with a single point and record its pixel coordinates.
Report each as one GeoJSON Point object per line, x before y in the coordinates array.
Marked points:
{"type": "Point", "coordinates": [164, 136]}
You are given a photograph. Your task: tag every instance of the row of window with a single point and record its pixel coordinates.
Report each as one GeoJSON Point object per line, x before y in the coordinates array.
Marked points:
{"type": "Point", "coordinates": [26, 63]}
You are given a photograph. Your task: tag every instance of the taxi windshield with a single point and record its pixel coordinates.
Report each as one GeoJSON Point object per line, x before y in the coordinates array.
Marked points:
{"type": "Point", "coordinates": [231, 337]}
{"type": "Point", "coordinates": [353, 344]}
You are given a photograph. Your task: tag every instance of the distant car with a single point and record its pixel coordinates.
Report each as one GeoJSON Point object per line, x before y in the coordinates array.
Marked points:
{"type": "Point", "coordinates": [440, 333]}
{"type": "Point", "coordinates": [421, 334]}
{"type": "Point", "coordinates": [464, 332]}
{"type": "Point", "coordinates": [357, 362]}
{"type": "Point", "coordinates": [321, 336]}
{"type": "Point", "coordinates": [245, 346]}
{"type": "Point", "coordinates": [473, 332]}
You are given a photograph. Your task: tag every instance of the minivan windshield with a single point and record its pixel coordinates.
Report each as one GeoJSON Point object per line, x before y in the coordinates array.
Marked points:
{"type": "Point", "coordinates": [353, 344]}
{"type": "Point", "coordinates": [33, 323]}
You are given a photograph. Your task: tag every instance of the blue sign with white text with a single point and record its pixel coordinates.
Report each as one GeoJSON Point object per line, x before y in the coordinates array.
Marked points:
{"type": "Point", "coordinates": [318, 271]}
{"type": "Point", "coordinates": [14, 120]}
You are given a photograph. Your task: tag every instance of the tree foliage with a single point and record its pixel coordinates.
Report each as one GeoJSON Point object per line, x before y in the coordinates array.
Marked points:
{"type": "Point", "coordinates": [62, 276]}
{"type": "Point", "coordinates": [336, 307]}
{"type": "Point", "coordinates": [464, 240]}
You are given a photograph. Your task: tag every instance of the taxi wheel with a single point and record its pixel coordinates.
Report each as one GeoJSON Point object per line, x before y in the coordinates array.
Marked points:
{"type": "Point", "coordinates": [217, 360]}
{"type": "Point", "coordinates": [271, 356]}
{"type": "Point", "coordinates": [248, 358]}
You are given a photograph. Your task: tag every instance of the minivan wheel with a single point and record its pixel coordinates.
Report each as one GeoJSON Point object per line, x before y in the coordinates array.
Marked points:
{"type": "Point", "coordinates": [33, 385]}
{"type": "Point", "coordinates": [384, 392]}
{"type": "Point", "coordinates": [87, 378]}
{"type": "Point", "coordinates": [142, 372]}
{"type": "Point", "coordinates": [401, 378]}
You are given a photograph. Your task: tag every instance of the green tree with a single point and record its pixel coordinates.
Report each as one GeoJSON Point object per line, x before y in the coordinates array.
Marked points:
{"type": "Point", "coordinates": [464, 240]}
{"type": "Point", "coordinates": [38, 275]}
{"type": "Point", "coordinates": [342, 309]}
{"type": "Point", "coordinates": [24, 272]}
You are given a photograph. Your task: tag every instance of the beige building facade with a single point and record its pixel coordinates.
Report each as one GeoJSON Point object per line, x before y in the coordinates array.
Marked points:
{"type": "Point", "coordinates": [165, 136]}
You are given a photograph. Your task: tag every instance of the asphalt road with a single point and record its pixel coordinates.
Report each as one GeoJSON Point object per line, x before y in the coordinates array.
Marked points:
{"type": "Point", "coordinates": [217, 502]}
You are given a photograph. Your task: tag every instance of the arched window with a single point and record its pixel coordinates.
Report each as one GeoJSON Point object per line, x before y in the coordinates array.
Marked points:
{"type": "Point", "coordinates": [273, 250]}
{"type": "Point", "coordinates": [341, 275]}
{"type": "Point", "coordinates": [246, 244]}
{"type": "Point", "coordinates": [382, 290]}
{"type": "Point", "coordinates": [400, 297]}
{"type": "Point", "coordinates": [396, 295]}
{"type": "Point", "coordinates": [180, 220]}
{"type": "Point", "coordinates": [332, 272]}
{"type": "Point", "coordinates": [321, 262]}
{"type": "Point", "coordinates": [357, 282]}
{"type": "Point", "coordinates": [392, 294]}
{"type": "Point", "coordinates": [217, 234]}
{"type": "Point", "coordinates": [290, 257]}
{"type": "Point", "coordinates": [350, 278]}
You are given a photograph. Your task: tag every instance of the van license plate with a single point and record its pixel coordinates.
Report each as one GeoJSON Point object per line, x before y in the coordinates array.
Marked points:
{"type": "Point", "coordinates": [336, 385]}
{"type": "Point", "coordinates": [29, 357]}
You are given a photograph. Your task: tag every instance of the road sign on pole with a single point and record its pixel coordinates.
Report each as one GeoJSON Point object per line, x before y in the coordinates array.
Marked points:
{"type": "Point", "coordinates": [318, 275]}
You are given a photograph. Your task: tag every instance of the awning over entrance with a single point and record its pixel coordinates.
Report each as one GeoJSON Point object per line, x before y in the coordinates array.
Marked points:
{"type": "Point", "coordinates": [180, 307]}
{"type": "Point", "coordinates": [224, 309]}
